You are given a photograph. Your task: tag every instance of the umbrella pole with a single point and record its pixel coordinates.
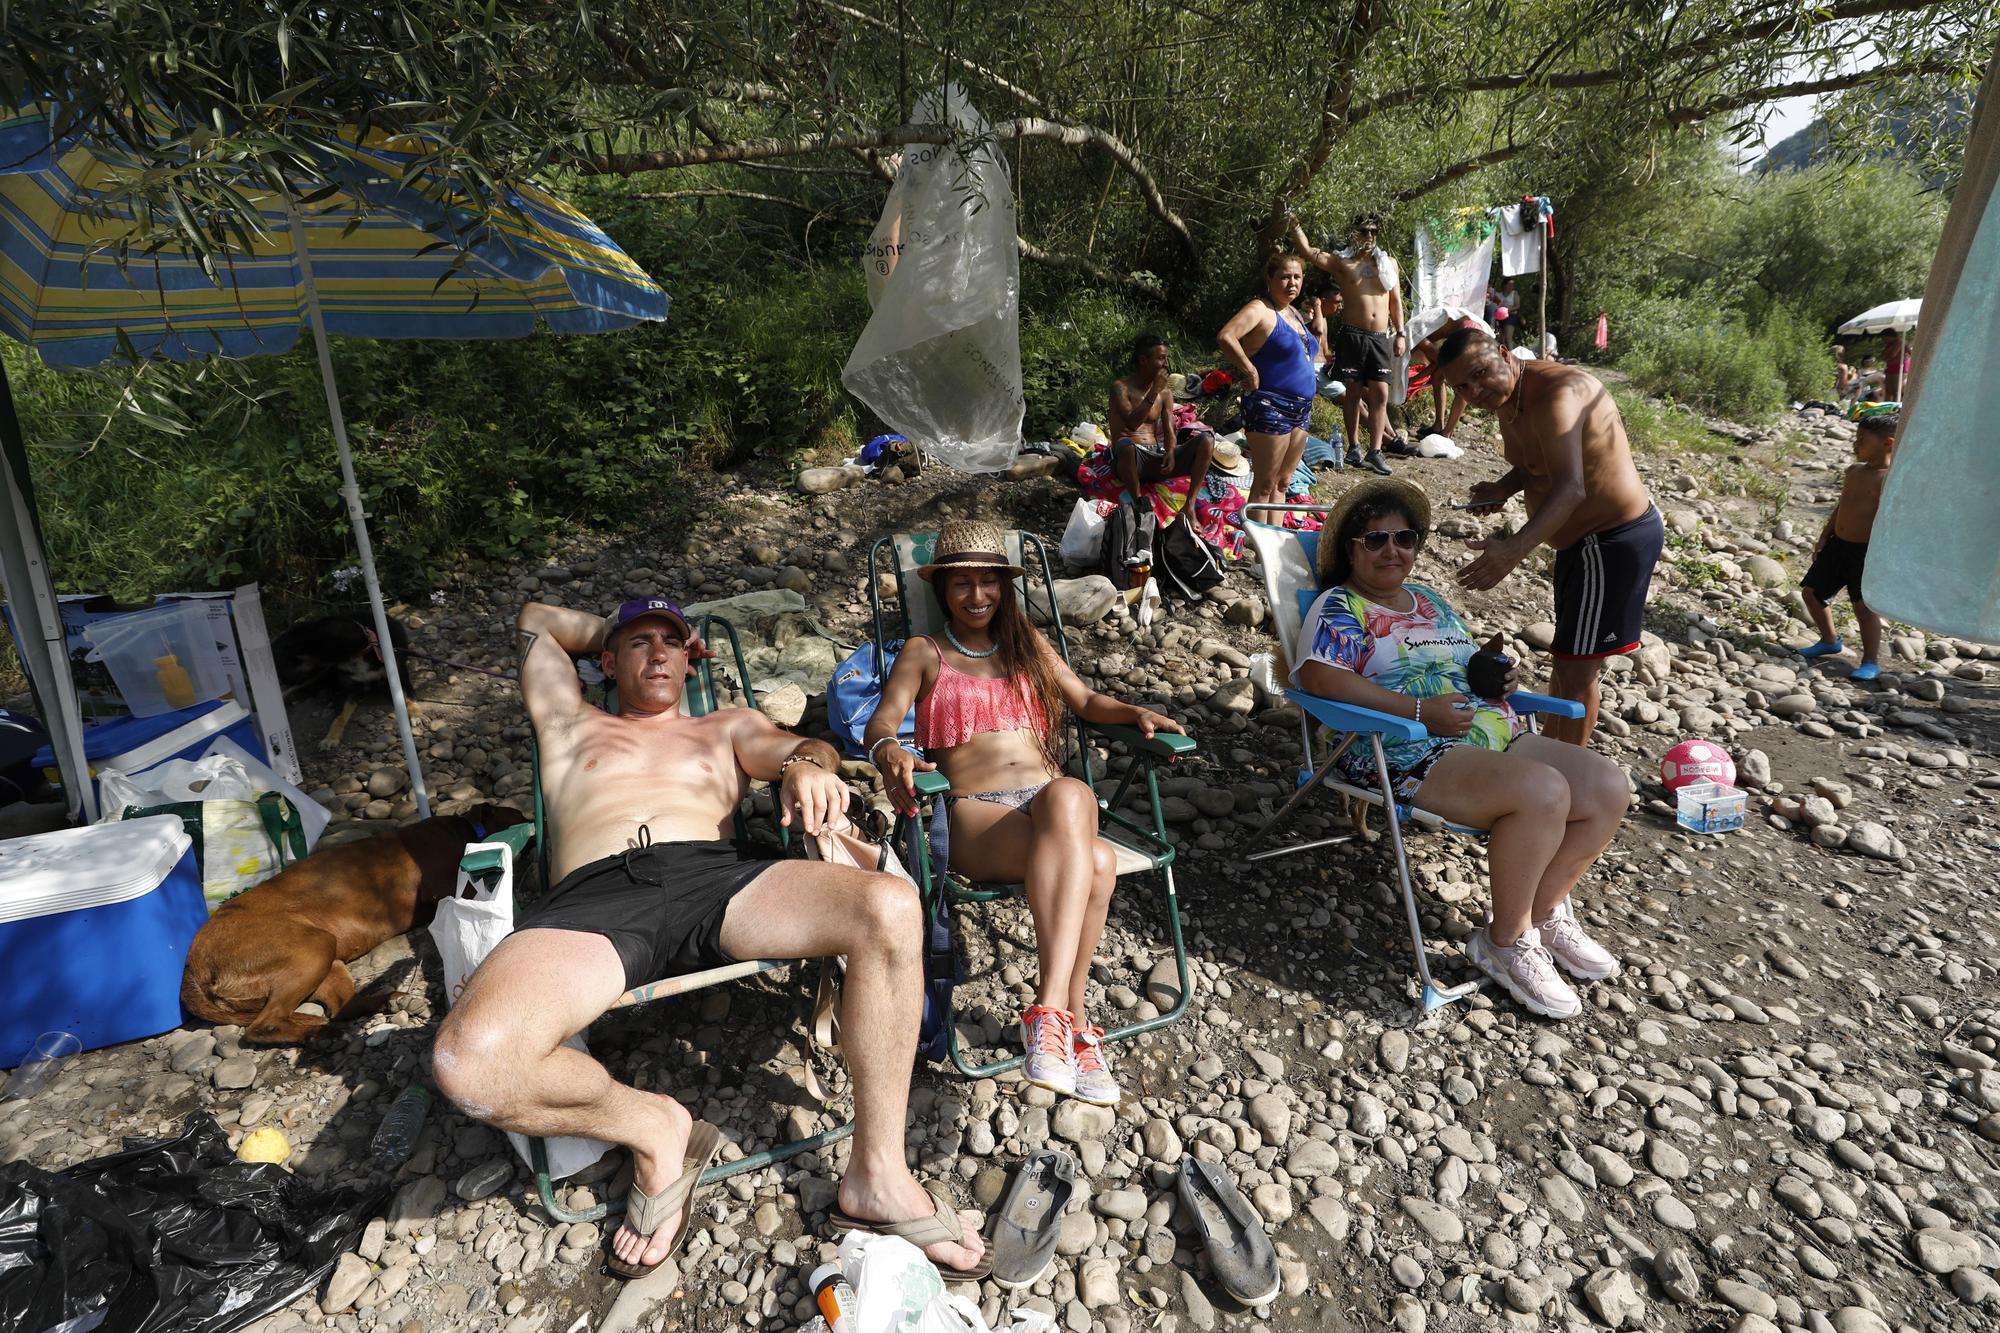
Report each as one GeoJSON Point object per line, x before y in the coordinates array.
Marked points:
{"type": "Point", "coordinates": [40, 638]}
{"type": "Point", "coordinates": [357, 516]}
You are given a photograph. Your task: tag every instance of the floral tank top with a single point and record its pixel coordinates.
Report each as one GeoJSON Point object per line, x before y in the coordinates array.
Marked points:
{"type": "Point", "coordinates": [1420, 652]}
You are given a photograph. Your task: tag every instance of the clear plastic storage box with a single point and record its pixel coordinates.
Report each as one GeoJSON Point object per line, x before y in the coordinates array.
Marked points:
{"type": "Point", "coordinates": [1711, 807]}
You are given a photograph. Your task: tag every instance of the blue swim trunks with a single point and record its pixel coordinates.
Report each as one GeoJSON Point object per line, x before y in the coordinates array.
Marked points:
{"type": "Point", "coordinates": [1269, 412]}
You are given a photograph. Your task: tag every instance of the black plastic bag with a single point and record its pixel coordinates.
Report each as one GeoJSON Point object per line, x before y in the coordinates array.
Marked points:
{"type": "Point", "coordinates": [1128, 542]}
{"type": "Point", "coordinates": [169, 1236]}
{"type": "Point", "coordinates": [1187, 566]}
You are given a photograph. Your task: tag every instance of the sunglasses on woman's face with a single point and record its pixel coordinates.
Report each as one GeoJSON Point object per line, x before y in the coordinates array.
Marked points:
{"type": "Point", "coordinates": [1406, 539]}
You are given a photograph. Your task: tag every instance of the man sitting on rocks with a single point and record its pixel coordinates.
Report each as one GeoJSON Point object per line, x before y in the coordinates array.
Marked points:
{"type": "Point", "coordinates": [649, 885]}
{"type": "Point", "coordinates": [1145, 446]}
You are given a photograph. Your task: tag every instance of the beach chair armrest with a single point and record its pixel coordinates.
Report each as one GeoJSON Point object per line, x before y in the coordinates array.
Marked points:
{"type": "Point", "coordinates": [1347, 717]}
{"type": "Point", "coordinates": [483, 858]}
{"type": "Point", "coordinates": [930, 784]}
{"type": "Point", "coordinates": [483, 855]}
{"type": "Point", "coordinates": [1524, 702]}
{"type": "Point", "coordinates": [1167, 744]}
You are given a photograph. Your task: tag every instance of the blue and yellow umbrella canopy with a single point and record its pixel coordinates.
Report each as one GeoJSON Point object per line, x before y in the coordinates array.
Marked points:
{"type": "Point", "coordinates": [388, 259]}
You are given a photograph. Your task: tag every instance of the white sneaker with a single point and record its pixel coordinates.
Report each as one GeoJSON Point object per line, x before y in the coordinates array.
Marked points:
{"type": "Point", "coordinates": [1528, 972]}
{"type": "Point", "coordinates": [1581, 956]}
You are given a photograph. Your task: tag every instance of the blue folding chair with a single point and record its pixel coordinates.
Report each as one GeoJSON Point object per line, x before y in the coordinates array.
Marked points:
{"type": "Point", "coordinates": [1291, 584]}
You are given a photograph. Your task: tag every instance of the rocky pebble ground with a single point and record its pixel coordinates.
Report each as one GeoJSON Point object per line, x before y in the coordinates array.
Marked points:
{"type": "Point", "coordinates": [1784, 1115]}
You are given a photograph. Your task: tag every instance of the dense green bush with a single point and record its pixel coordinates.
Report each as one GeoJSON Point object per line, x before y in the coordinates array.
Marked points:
{"type": "Point", "coordinates": [1800, 352]}
{"type": "Point", "coordinates": [1697, 351]}
{"type": "Point", "coordinates": [1692, 353]}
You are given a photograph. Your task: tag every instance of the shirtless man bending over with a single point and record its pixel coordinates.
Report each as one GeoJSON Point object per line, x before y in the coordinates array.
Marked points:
{"type": "Point", "coordinates": [649, 885]}
{"type": "Point", "coordinates": [1561, 431]}
{"type": "Point", "coordinates": [1370, 337]}
{"type": "Point", "coordinates": [1144, 445]}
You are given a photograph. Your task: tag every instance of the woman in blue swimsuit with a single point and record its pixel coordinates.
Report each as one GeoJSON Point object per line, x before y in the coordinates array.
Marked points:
{"type": "Point", "coordinates": [1277, 358]}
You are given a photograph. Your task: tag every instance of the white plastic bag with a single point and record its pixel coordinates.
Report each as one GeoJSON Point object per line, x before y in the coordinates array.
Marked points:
{"type": "Point", "coordinates": [237, 846]}
{"type": "Point", "coordinates": [313, 816]}
{"type": "Point", "coordinates": [213, 777]}
{"type": "Point", "coordinates": [1090, 435]}
{"type": "Point", "coordinates": [1149, 603]}
{"type": "Point", "coordinates": [898, 1290]}
{"type": "Point", "coordinates": [940, 359]}
{"type": "Point", "coordinates": [466, 928]}
{"type": "Point", "coordinates": [1083, 537]}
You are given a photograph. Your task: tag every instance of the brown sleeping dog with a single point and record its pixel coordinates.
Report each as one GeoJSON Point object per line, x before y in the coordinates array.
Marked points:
{"type": "Point", "coordinates": [288, 940]}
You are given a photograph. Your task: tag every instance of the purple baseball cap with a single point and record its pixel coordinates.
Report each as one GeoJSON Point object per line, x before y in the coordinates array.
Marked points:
{"type": "Point", "coordinates": [641, 607]}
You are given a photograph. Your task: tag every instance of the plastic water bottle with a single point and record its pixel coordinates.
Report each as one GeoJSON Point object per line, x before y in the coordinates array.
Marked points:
{"type": "Point", "coordinates": [835, 1298]}
{"type": "Point", "coordinates": [396, 1137]}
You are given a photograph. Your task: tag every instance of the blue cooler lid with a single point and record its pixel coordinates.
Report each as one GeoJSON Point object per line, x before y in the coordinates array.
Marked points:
{"type": "Point", "coordinates": [129, 733]}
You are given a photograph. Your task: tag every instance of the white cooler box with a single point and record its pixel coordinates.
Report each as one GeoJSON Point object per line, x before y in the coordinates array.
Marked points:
{"type": "Point", "coordinates": [95, 925]}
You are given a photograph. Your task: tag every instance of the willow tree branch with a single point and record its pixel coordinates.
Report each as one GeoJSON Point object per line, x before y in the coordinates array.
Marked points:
{"type": "Point", "coordinates": [1139, 286]}
{"type": "Point", "coordinates": [719, 193]}
{"type": "Point", "coordinates": [1006, 131]}
{"type": "Point", "coordinates": [1574, 80]}
{"type": "Point", "coordinates": [1457, 171]}
{"type": "Point", "coordinates": [1335, 104]}
{"type": "Point", "coordinates": [994, 77]}
{"type": "Point", "coordinates": [1833, 84]}
{"type": "Point", "coordinates": [1145, 287]}
{"type": "Point", "coordinates": [1688, 115]}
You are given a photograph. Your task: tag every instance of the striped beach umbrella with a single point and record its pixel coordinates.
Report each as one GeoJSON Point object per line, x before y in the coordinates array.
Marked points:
{"type": "Point", "coordinates": [375, 245]}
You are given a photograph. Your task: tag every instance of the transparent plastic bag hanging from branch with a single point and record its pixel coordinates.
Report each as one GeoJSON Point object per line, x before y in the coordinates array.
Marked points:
{"type": "Point", "coordinates": [940, 359]}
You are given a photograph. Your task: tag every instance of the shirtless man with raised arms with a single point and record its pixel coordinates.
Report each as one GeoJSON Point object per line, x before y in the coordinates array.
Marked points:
{"type": "Point", "coordinates": [1370, 337]}
{"type": "Point", "coordinates": [649, 885]}
{"type": "Point", "coordinates": [1561, 431]}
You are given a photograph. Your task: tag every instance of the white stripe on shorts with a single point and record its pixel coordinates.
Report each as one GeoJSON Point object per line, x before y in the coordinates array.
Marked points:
{"type": "Point", "coordinates": [1590, 605]}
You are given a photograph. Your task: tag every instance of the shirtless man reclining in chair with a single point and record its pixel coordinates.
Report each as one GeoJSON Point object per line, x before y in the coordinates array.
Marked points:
{"type": "Point", "coordinates": [648, 884]}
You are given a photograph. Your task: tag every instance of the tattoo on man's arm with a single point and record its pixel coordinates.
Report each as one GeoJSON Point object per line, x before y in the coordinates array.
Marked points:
{"type": "Point", "coordinates": [524, 640]}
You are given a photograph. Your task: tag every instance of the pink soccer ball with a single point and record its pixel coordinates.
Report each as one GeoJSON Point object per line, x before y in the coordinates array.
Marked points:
{"type": "Point", "coordinates": [1697, 761]}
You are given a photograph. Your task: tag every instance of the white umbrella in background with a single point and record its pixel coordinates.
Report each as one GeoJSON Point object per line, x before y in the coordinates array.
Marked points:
{"type": "Point", "coordinates": [1890, 315]}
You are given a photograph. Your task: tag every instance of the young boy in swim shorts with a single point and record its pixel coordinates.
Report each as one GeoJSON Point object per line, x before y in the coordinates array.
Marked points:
{"type": "Point", "coordinates": [1842, 552]}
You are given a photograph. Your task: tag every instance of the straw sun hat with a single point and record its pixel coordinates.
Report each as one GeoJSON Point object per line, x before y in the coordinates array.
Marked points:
{"type": "Point", "coordinates": [1228, 458]}
{"type": "Point", "coordinates": [966, 543]}
{"type": "Point", "coordinates": [1335, 561]}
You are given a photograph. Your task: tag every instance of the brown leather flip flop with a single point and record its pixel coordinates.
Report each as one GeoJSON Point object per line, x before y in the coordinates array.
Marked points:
{"type": "Point", "coordinates": [941, 1227]}
{"type": "Point", "coordinates": [646, 1213]}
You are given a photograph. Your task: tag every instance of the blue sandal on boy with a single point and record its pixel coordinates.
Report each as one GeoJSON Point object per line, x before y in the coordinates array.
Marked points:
{"type": "Point", "coordinates": [1822, 649]}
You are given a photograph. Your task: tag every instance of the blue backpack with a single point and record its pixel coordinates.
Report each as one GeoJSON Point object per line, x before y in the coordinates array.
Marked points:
{"type": "Point", "coordinates": [856, 691]}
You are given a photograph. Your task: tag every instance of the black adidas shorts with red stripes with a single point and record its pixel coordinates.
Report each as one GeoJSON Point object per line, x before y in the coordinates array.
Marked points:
{"type": "Point", "coordinates": [1601, 585]}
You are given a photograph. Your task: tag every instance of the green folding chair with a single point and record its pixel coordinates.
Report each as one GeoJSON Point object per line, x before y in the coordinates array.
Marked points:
{"type": "Point", "coordinates": [700, 699]}
{"type": "Point", "coordinates": [1141, 847]}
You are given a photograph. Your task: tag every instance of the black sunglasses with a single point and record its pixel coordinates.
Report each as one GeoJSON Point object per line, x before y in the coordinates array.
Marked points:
{"type": "Point", "coordinates": [1406, 539]}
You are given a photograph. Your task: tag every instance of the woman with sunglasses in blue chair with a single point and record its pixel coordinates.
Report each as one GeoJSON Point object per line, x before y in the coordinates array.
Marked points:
{"type": "Point", "coordinates": [1375, 640]}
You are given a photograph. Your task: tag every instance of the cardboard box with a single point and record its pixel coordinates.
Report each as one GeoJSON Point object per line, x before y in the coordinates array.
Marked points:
{"type": "Point", "coordinates": [241, 641]}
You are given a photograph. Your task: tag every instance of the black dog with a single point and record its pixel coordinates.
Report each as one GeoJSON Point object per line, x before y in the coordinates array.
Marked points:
{"type": "Point", "coordinates": [339, 657]}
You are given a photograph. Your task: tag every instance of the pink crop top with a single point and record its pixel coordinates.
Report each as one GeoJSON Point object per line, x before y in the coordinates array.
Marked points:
{"type": "Point", "coordinates": [960, 707]}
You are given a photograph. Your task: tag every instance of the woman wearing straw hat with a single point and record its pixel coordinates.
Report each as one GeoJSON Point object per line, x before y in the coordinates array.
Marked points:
{"type": "Point", "coordinates": [1277, 360]}
{"type": "Point", "coordinates": [1377, 641]}
{"type": "Point", "coordinates": [989, 701]}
